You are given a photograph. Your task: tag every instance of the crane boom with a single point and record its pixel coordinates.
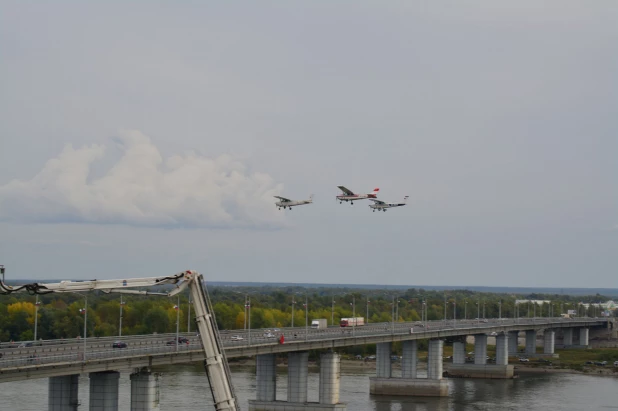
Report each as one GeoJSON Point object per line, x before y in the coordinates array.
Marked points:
{"type": "Point", "coordinates": [215, 363]}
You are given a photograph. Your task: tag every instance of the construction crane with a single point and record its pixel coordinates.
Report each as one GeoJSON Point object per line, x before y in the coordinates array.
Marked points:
{"type": "Point", "coordinates": [215, 363]}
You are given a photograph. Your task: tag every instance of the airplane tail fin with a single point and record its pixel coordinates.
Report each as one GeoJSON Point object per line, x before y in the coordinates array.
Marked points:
{"type": "Point", "coordinates": [375, 190]}
{"type": "Point", "coordinates": [311, 198]}
{"type": "Point", "coordinates": [405, 199]}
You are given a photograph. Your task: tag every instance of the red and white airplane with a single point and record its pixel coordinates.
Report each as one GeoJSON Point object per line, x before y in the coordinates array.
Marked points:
{"type": "Point", "coordinates": [351, 197]}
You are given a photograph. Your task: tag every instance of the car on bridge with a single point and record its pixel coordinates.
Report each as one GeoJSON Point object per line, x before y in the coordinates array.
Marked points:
{"type": "Point", "coordinates": [522, 359]}
{"type": "Point", "coordinates": [615, 363]}
{"type": "Point", "coordinates": [181, 340]}
{"type": "Point", "coordinates": [269, 335]}
{"type": "Point", "coordinates": [119, 344]}
{"type": "Point", "coordinates": [236, 338]}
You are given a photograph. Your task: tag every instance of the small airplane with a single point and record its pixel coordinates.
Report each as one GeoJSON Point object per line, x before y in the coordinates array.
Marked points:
{"type": "Point", "coordinates": [350, 196]}
{"type": "Point", "coordinates": [381, 205]}
{"type": "Point", "coordinates": [286, 202]}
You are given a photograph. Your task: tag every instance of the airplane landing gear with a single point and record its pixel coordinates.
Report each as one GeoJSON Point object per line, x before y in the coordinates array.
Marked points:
{"type": "Point", "coordinates": [341, 202]}
{"type": "Point", "coordinates": [384, 210]}
{"type": "Point", "coordinates": [290, 208]}
{"type": "Point", "coordinates": [374, 210]}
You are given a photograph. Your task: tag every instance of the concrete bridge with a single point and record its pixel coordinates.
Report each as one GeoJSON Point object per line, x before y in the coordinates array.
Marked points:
{"type": "Point", "coordinates": [63, 360]}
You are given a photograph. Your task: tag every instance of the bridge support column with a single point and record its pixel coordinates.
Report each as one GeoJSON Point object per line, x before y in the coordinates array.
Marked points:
{"type": "Point", "coordinates": [583, 337]}
{"type": "Point", "coordinates": [409, 359]}
{"type": "Point", "coordinates": [480, 349]}
{"type": "Point", "coordinates": [459, 352]}
{"type": "Point", "coordinates": [567, 337]}
{"type": "Point", "coordinates": [530, 342]}
{"type": "Point", "coordinates": [481, 369]}
{"type": "Point", "coordinates": [62, 393]}
{"type": "Point", "coordinates": [513, 342]}
{"type": "Point", "coordinates": [104, 391]}
{"type": "Point", "coordinates": [434, 359]}
{"type": "Point", "coordinates": [502, 351]}
{"type": "Point", "coordinates": [548, 342]}
{"type": "Point", "coordinates": [297, 376]}
{"type": "Point", "coordinates": [266, 376]}
{"type": "Point", "coordinates": [330, 376]}
{"type": "Point", "coordinates": [144, 391]}
{"type": "Point", "coordinates": [409, 385]}
{"type": "Point", "coordinates": [383, 360]}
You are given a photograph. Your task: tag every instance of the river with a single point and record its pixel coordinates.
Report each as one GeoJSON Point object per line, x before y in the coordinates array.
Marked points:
{"type": "Point", "coordinates": [185, 388]}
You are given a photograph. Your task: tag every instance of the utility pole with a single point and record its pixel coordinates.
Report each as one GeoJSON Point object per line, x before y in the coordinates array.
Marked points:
{"type": "Point", "coordinates": [454, 312]}
{"type": "Point", "coordinates": [465, 309]}
{"type": "Point", "coordinates": [306, 318]}
{"type": "Point", "coordinates": [368, 309]}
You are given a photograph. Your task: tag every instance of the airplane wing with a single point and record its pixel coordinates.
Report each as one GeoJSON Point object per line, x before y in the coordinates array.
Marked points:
{"type": "Point", "coordinates": [345, 190]}
{"type": "Point", "coordinates": [377, 201]}
{"type": "Point", "coordinates": [285, 200]}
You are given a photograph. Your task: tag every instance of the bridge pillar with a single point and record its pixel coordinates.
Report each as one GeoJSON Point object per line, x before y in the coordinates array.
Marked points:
{"type": "Point", "coordinates": [480, 349]}
{"type": "Point", "coordinates": [530, 342]}
{"type": "Point", "coordinates": [330, 378]}
{"type": "Point", "coordinates": [548, 341]}
{"type": "Point", "coordinates": [502, 351]}
{"type": "Point", "coordinates": [144, 391]}
{"type": "Point", "coordinates": [480, 368]}
{"type": "Point", "coordinates": [583, 336]}
{"type": "Point", "coordinates": [297, 376]}
{"type": "Point", "coordinates": [62, 393]}
{"type": "Point", "coordinates": [383, 360]}
{"type": "Point", "coordinates": [409, 359]}
{"type": "Point", "coordinates": [266, 376]}
{"type": "Point", "coordinates": [459, 352]}
{"type": "Point", "coordinates": [434, 359]}
{"type": "Point", "coordinates": [567, 337]}
{"type": "Point", "coordinates": [104, 391]}
{"type": "Point", "coordinates": [409, 385]}
{"type": "Point", "coordinates": [513, 342]}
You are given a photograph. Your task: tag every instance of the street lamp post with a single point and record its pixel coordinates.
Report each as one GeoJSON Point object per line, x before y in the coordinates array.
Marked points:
{"type": "Point", "coordinates": [425, 313]}
{"type": "Point", "coordinates": [478, 312]}
{"type": "Point", "coordinates": [368, 309]}
{"type": "Point", "coordinates": [306, 318]}
{"type": "Point", "coordinates": [85, 312]}
{"type": "Point", "coordinates": [332, 311]}
{"type": "Point", "coordinates": [36, 317]}
{"type": "Point", "coordinates": [189, 316]}
{"type": "Point", "coordinates": [248, 308]}
{"type": "Point", "coordinates": [293, 312]}
{"type": "Point", "coordinates": [465, 309]}
{"type": "Point", "coordinates": [445, 309]}
{"type": "Point", "coordinates": [120, 322]}
{"type": "Point", "coordinates": [177, 308]}
{"type": "Point", "coordinates": [454, 312]}
{"type": "Point", "coordinates": [354, 315]}
{"type": "Point", "coordinates": [500, 310]}
{"type": "Point", "coordinates": [393, 315]}
{"type": "Point", "coordinates": [484, 310]}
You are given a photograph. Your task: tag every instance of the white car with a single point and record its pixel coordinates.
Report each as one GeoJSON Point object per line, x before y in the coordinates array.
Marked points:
{"type": "Point", "coordinates": [524, 360]}
{"type": "Point", "coordinates": [269, 335]}
{"type": "Point", "coordinates": [615, 363]}
{"type": "Point", "coordinates": [236, 338]}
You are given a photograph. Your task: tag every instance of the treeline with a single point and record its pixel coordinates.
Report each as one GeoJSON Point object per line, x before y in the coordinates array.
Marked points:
{"type": "Point", "coordinates": [62, 316]}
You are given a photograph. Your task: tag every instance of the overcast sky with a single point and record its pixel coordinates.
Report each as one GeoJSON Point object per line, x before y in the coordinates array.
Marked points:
{"type": "Point", "coordinates": [145, 138]}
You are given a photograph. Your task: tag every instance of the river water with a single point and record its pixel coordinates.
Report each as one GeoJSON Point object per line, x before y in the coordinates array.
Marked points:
{"type": "Point", "coordinates": [185, 388]}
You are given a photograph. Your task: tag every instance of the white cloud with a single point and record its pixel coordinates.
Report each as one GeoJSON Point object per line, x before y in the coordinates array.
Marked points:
{"type": "Point", "coordinates": [144, 189]}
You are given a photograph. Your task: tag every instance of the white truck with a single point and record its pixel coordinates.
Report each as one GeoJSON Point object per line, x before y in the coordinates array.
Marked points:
{"type": "Point", "coordinates": [319, 324]}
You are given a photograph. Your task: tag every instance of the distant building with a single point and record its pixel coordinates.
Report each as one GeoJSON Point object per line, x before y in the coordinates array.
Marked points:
{"type": "Point", "coordinates": [537, 302]}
